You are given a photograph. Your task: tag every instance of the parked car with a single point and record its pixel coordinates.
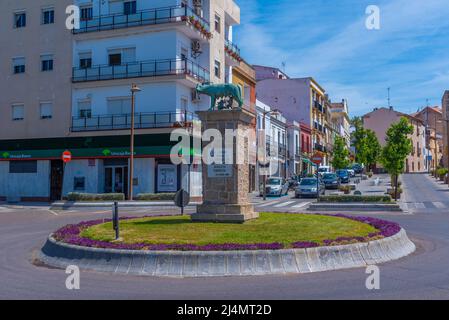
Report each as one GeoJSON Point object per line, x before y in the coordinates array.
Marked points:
{"type": "Point", "coordinates": [351, 172]}
{"type": "Point", "coordinates": [308, 188]}
{"type": "Point", "coordinates": [358, 168]}
{"type": "Point", "coordinates": [331, 181]}
{"type": "Point", "coordinates": [275, 187]}
{"type": "Point", "coordinates": [324, 169]}
{"type": "Point", "coordinates": [293, 182]}
{"type": "Point", "coordinates": [343, 174]}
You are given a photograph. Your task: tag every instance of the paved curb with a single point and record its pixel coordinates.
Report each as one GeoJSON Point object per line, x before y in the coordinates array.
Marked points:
{"type": "Point", "coordinates": [377, 207]}
{"type": "Point", "coordinates": [226, 263]}
{"type": "Point", "coordinates": [109, 204]}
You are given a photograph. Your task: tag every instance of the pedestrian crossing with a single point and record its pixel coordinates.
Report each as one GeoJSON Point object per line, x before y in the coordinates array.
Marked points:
{"type": "Point", "coordinates": [284, 204]}
{"type": "Point", "coordinates": [436, 205]}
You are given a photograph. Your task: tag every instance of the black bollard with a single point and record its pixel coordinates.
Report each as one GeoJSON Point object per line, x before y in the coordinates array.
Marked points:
{"type": "Point", "coordinates": [115, 220]}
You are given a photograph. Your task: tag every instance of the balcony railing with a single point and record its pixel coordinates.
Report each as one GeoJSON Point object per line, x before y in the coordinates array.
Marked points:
{"type": "Point", "coordinates": [144, 17]}
{"type": "Point", "coordinates": [152, 68]}
{"type": "Point", "coordinates": [123, 121]}
{"type": "Point", "coordinates": [233, 50]}
{"type": "Point", "coordinates": [319, 147]}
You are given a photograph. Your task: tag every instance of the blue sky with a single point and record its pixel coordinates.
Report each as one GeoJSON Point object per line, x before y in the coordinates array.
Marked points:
{"type": "Point", "coordinates": [328, 40]}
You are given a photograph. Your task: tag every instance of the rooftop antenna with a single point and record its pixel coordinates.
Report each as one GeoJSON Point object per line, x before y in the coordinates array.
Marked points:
{"type": "Point", "coordinates": [389, 101]}
{"type": "Point", "coordinates": [283, 66]}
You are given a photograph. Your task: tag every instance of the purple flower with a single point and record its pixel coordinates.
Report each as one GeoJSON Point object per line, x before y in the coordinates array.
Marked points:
{"type": "Point", "coordinates": [71, 234]}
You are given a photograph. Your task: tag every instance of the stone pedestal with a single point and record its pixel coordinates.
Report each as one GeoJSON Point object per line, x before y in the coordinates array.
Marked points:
{"type": "Point", "coordinates": [226, 187]}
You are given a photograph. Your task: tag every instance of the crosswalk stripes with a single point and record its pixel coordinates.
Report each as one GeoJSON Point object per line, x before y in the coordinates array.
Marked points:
{"type": "Point", "coordinates": [268, 204]}
{"type": "Point", "coordinates": [302, 205]}
{"type": "Point", "coordinates": [439, 205]}
{"type": "Point", "coordinates": [420, 205]}
{"type": "Point", "coordinates": [284, 204]}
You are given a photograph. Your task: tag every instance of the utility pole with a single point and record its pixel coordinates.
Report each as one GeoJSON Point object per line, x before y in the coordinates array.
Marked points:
{"type": "Point", "coordinates": [389, 100]}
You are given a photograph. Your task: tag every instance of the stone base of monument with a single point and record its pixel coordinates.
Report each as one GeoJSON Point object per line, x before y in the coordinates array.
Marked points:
{"type": "Point", "coordinates": [225, 213]}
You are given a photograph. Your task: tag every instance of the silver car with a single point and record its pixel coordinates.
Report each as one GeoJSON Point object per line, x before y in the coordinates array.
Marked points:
{"type": "Point", "coordinates": [308, 188]}
{"type": "Point", "coordinates": [275, 187]}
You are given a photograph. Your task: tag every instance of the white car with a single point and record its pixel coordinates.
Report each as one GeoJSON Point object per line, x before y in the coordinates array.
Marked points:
{"type": "Point", "coordinates": [351, 173]}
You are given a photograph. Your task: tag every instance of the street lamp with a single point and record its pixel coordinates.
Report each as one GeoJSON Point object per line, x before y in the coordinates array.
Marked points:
{"type": "Point", "coordinates": [272, 112]}
{"type": "Point", "coordinates": [134, 89]}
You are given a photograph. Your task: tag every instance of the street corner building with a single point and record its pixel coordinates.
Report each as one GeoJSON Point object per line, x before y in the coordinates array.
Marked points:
{"type": "Point", "coordinates": [71, 90]}
{"type": "Point", "coordinates": [380, 119]}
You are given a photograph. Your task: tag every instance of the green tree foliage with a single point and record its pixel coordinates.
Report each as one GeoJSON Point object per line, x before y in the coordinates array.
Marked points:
{"type": "Point", "coordinates": [365, 142]}
{"type": "Point", "coordinates": [398, 147]}
{"type": "Point", "coordinates": [371, 148]}
{"type": "Point", "coordinates": [340, 158]}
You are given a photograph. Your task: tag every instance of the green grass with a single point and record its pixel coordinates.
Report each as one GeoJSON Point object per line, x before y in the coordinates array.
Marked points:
{"type": "Point", "coordinates": [269, 228]}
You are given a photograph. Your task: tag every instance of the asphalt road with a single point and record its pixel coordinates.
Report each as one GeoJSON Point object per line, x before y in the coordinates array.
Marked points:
{"type": "Point", "coordinates": [423, 275]}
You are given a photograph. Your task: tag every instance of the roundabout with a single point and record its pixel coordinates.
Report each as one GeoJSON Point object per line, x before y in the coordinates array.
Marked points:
{"type": "Point", "coordinates": [274, 244]}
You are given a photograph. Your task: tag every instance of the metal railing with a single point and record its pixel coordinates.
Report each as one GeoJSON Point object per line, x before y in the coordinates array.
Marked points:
{"type": "Point", "coordinates": [320, 147]}
{"type": "Point", "coordinates": [140, 18]}
{"type": "Point", "coordinates": [123, 121]}
{"type": "Point", "coordinates": [151, 68]}
{"type": "Point", "coordinates": [232, 47]}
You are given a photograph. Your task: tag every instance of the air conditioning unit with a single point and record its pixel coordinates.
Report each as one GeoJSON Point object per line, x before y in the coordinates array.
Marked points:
{"type": "Point", "coordinates": [196, 49]}
{"type": "Point", "coordinates": [196, 97]}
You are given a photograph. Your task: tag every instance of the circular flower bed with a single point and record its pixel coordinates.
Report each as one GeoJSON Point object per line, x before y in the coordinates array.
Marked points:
{"type": "Point", "coordinates": [71, 234]}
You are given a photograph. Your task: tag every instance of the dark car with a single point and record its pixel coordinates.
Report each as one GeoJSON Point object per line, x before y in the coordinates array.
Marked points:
{"type": "Point", "coordinates": [343, 175]}
{"type": "Point", "coordinates": [308, 188]}
{"type": "Point", "coordinates": [331, 181]}
{"type": "Point", "coordinates": [358, 168]}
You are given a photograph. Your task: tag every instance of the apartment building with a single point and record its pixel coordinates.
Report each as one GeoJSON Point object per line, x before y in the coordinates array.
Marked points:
{"type": "Point", "coordinates": [445, 107]}
{"type": "Point", "coordinates": [380, 119]}
{"type": "Point", "coordinates": [35, 99]}
{"type": "Point", "coordinates": [302, 100]}
{"type": "Point", "coordinates": [339, 117]}
{"type": "Point", "coordinates": [165, 47]}
{"type": "Point", "coordinates": [433, 121]}
{"type": "Point", "coordinates": [264, 73]}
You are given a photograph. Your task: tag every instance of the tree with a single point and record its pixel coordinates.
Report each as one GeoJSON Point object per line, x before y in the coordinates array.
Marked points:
{"type": "Point", "coordinates": [340, 158]}
{"type": "Point", "coordinates": [357, 137]}
{"type": "Point", "coordinates": [398, 147]}
{"type": "Point", "coordinates": [371, 148]}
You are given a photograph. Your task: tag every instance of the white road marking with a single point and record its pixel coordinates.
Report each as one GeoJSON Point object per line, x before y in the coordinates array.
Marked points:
{"type": "Point", "coordinates": [268, 204]}
{"type": "Point", "coordinates": [284, 204]}
{"type": "Point", "coordinates": [420, 205]}
{"type": "Point", "coordinates": [439, 205]}
{"type": "Point", "coordinates": [301, 205]}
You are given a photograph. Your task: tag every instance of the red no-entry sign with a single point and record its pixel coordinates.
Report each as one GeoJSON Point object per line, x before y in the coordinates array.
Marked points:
{"type": "Point", "coordinates": [66, 156]}
{"type": "Point", "coordinates": [317, 158]}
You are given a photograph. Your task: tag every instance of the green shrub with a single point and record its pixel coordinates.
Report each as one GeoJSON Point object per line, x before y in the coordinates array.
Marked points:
{"type": "Point", "coordinates": [155, 197]}
{"type": "Point", "coordinates": [75, 196]}
{"type": "Point", "coordinates": [347, 198]}
{"type": "Point", "coordinates": [346, 189]}
{"type": "Point", "coordinates": [442, 172]}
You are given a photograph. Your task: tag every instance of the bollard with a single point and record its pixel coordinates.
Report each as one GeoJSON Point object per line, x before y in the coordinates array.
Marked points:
{"type": "Point", "coordinates": [115, 220]}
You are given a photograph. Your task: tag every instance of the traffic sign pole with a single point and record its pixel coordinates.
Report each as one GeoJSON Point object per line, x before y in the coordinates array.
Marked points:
{"type": "Point", "coordinates": [66, 158]}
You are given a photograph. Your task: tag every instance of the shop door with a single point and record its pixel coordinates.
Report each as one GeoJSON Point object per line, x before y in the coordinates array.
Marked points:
{"type": "Point", "coordinates": [56, 172]}
{"type": "Point", "coordinates": [116, 180]}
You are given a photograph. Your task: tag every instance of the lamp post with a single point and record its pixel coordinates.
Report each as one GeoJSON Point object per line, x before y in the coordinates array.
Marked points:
{"type": "Point", "coordinates": [134, 90]}
{"type": "Point", "coordinates": [265, 176]}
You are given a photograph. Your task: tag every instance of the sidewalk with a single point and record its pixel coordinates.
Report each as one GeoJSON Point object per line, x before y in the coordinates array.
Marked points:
{"type": "Point", "coordinates": [66, 205]}
{"type": "Point", "coordinates": [367, 187]}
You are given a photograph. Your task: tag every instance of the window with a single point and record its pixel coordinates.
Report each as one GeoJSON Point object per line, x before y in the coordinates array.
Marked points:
{"type": "Point", "coordinates": [48, 16]}
{"type": "Point", "coordinates": [115, 59]}
{"type": "Point", "coordinates": [85, 60]}
{"type": "Point", "coordinates": [47, 62]}
{"type": "Point", "coordinates": [18, 65]}
{"type": "Point", "coordinates": [217, 69]}
{"type": "Point", "coordinates": [130, 7]}
{"type": "Point", "coordinates": [18, 112]}
{"type": "Point", "coordinates": [217, 23]}
{"type": "Point", "coordinates": [46, 110]}
{"type": "Point", "coordinates": [29, 166]}
{"type": "Point", "coordinates": [86, 13]}
{"type": "Point", "coordinates": [122, 56]}
{"type": "Point", "coordinates": [20, 20]}
{"type": "Point", "coordinates": [119, 106]}
{"type": "Point", "coordinates": [79, 183]}
{"type": "Point", "coordinates": [84, 109]}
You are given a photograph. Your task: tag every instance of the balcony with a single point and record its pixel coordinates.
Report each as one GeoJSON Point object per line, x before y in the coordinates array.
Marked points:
{"type": "Point", "coordinates": [320, 147]}
{"type": "Point", "coordinates": [233, 53]}
{"type": "Point", "coordinates": [152, 68]}
{"type": "Point", "coordinates": [319, 106]}
{"type": "Point", "coordinates": [156, 16]}
{"type": "Point", "coordinates": [123, 121]}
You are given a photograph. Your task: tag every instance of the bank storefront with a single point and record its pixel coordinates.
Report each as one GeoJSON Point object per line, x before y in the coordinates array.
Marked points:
{"type": "Point", "coordinates": [32, 170]}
